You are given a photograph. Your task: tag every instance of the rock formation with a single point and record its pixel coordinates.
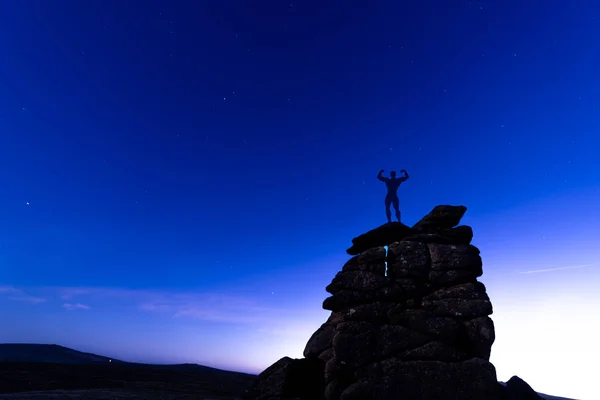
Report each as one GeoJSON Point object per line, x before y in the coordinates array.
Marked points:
{"type": "Point", "coordinates": [408, 322]}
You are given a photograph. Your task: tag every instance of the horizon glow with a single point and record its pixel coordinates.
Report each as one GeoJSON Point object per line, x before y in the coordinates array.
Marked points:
{"type": "Point", "coordinates": [254, 333]}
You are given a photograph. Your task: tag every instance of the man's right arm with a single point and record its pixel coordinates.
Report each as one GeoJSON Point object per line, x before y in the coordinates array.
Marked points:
{"type": "Point", "coordinates": [381, 178]}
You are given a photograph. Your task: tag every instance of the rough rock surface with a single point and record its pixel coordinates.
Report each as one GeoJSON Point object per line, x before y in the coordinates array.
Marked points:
{"type": "Point", "coordinates": [408, 323]}
{"type": "Point", "coordinates": [421, 331]}
{"type": "Point", "coordinates": [439, 226]}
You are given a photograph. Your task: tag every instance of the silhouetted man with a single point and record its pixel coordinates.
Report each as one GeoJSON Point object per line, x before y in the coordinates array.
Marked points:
{"type": "Point", "coordinates": [391, 198]}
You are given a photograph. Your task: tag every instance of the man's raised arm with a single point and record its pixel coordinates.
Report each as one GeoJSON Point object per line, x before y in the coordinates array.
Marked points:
{"type": "Point", "coordinates": [381, 178]}
{"type": "Point", "coordinates": [405, 174]}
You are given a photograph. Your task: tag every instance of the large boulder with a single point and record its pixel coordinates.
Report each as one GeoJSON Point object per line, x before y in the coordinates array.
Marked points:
{"type": "Point", "coordinates": [381, 236]}
{"type": "Point", "coordinates": [440, 218]}
{"type": "Point", "coordinates": [288, 378]}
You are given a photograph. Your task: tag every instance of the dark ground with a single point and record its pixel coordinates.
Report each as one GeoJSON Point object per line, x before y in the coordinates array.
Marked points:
{"type": "Point", "coordinates": [42, 381]}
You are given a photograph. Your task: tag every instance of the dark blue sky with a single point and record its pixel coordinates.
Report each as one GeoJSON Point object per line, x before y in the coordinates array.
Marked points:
{"type": "Point", "coordinates": [231, 147]}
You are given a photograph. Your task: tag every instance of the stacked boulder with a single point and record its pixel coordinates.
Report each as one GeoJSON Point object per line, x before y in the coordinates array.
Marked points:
{"type": "Point", "coordinates": [409, 321]}
{"type": "Point", "coordinates": [422, 331]}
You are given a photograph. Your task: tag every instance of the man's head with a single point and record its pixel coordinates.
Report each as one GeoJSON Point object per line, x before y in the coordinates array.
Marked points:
{"type": "Point", "coordinates": [393, 174]}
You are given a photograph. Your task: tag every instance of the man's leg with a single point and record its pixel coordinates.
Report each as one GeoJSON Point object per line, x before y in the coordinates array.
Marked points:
{"type": "Point", "coordinates": [388, 212]}
{"type": "Point", "coordinates": [396, 204]}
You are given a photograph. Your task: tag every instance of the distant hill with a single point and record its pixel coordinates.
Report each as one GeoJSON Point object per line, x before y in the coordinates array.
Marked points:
{"type": "Point", "coordinates": [45, 367]}
{"type": "Point", "coordinates": [49, 353]}
{"type": "Point", "coordinates": [56, 354]}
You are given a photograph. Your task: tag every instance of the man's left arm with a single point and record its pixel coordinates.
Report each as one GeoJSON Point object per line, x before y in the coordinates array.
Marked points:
{"type": "Point", "coordinates": [405, 177]}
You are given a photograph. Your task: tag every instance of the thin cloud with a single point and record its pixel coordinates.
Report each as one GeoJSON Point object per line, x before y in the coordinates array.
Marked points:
{"type": "Point", "coordinates": [537, 271]}
{"type": "Point", "coordinates": [24, 298]}
{"type": "Point", "coordinates": [212, 307]}
{"type": "Point", "coordinates": [206, 306]}
{"type": "Point", "coordinates": [68, 293]}
{"type": "Point", "coordinates": [246, 316]}
{"type": "Point", "coordinates": [73, 307]}
{"type": "Point", "coordinates": [154, 307]}
{"type": "Point", "coordinates": [19, 295]}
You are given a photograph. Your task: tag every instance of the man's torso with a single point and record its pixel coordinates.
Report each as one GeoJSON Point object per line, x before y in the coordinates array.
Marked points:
{"type": "Point", "coordinates": [392, 186]}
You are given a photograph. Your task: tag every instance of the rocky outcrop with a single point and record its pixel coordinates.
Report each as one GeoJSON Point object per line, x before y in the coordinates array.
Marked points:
{"type": "Point", "coordinates": [418, 331]}
{"type": "Point", "coordinates": [439, 226]}
{"type": "Point", "coordinates": [409, 321]}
